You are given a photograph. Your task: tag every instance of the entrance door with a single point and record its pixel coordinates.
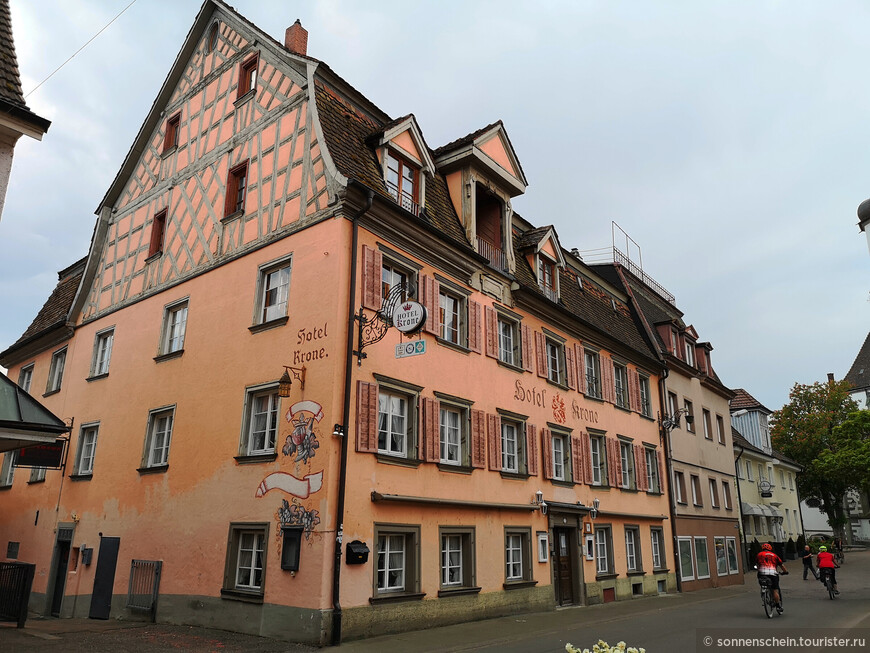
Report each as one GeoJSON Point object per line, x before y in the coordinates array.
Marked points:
{"type": "Point", "coordinates": [104, 578]}
{"type": "Point", "coordinates": [563, 566]}
{"type": "Point", "coordinates": [60, 567]}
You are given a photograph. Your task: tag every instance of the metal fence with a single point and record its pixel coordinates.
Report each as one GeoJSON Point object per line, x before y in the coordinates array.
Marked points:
{"type": "Point", "coordinates": [144, 586]}
{"type": "Point", "coordinates": [16, 579]}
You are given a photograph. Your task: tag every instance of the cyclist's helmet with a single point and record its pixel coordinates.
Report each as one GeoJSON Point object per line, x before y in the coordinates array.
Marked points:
{"type": "Point", "coordinates": [766, 546]}
{"type": "Point", "coordinates": [823, 548]}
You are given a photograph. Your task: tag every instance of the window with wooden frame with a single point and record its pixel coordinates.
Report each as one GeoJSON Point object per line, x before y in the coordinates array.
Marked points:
{"type": "Point", "coordinates": [158, 230]}
{"type": "Point", "coordinates": [55, 372]}
{"type": "Point", "coordinates": [598, 459]}
{"type": "Point", "coordinates": [690, 352]}
{"type": "Point", "coordinates": [720, 429]}
{"type": "Point", "coordinates": [452, 309]}
{"type": "Point", "coordinates": [512, 446]}
{"type": "Point", "coordinates": [633, 555]}
{"type": "Point", "coordinates": [518, 555]}
{"type": "Point", "coordinates": [25, 377]}
{"type": "Point", "coordinates": [657, 542]}
{"type": "Point", "coordinates": [626, 464]}
{"type": "Point", "coordinates": [402, 182]}
{"type": "Point", "coordinates": [248, 75]}
{"type": "Point", "coordinates": [593, 373]}
{"type": "Point", "coordinates": [726, 495]}
{"type": "Point", "coordinates": [260, 421]}
{"type": "Point", "coordinates": [7, 471]}
{"type": "Point", "coordinates": [87, 445]}
{"type": "Point", "coordinates": [273, 291]}
{"type": "Point", "coordinates": [245, 566]}
{"type": "Point", "coordinates": [690, 415]}
{"type": "Point", "coordinates": [603, 550]}
{"type": "Point", "coordinates": [561, 456]}
{"type": "Point", "coordinates": [103, 342]}
{"type": "Point", "coordinates": [397, 420]}
{"type": "Point", "coordinates": [158, 437]}
{"type": "Point", "coordinates": [170, 138]}
{"type": "Point", "coordinates": [653, 481]}
{"type": "Point", "coordinates": [397, 560]}
{"type": "Point", "coordinates": [620, 384]}
{"type": "Point", "coordinates": [457, 559]}
{"type": "Point", "coordinates": [680, 487]}
{"type": "Point", "coordinates": [645, 396]}
{"type": "Point", "coordinates": [686, 558]}
{"type": "Point", "coordinates": [509, 349]}
{"type": "Point", "coordinates": [454, 445]}
{"type": "Point", "coordinates": [697, 499]}
{"type": "Point", "coordinates": [237, 188]}
{"type": "Point", "coordinates": [174, 328]}
{"type": "Point", "coordinates": [708, 424]}
{"type": "Point", "coordinates": [547, 280]}
{"type": "Point", "coordinates": [714, 493]}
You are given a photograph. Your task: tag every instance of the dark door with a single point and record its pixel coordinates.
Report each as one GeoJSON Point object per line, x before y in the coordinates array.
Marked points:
{"type": "Point", "coordinates": [104, 579]}
{"type": "Point", "coordinates": [563, 566]}
{"type": "Point", "coordinates": [60, 567]}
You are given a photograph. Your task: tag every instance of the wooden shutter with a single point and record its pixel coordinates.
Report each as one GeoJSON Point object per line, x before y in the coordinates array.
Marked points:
{"type": "Point", "coordinates": [493, 423]}
{"type": "Point", "coordinates": [430, 429]}
{"type": "Point", "coordinates": [491, 332]}
{"type": "Point", "coordinates": [531, 449]}
{"type": "Point", "coordinates": [608, 392]}
{"type": "Point", "coordinates": [541, 354]}
{"type": "Point", "coordinates": [614, 468]}
{"type": "Point", "coordinates": [640, 465]}
{"type": "Point", "coordinates": [372, 270]}
{"type": "Point", "coordinates": [587, 458]}
{"type": "Point", "coordinates": [547, 449]}
{"type": "Point", "coordinates": [570, 369]}
{"type": "Point", "coordinates": [430, 297]}
{"type": "Point", "coordinates": [366, 417]}
{"type": "Point", "coordinates": [578, 458]}
{"type": "Point", "coordinates": [474, 343]}
{"type": "Point", "coordinates": [478, 439]}
{"type": "Point", "coordinates": [527, 347]}
{"type": "Point", "coordinates": [661, 475]}
{"type": "Point", "coordinates": [580, 360]}
{"type": "Point", "coordinates": [634, 390]}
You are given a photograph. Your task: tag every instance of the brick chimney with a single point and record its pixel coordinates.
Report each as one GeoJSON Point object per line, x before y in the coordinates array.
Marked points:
{"type": "Point", "coordinates": [296, 38]}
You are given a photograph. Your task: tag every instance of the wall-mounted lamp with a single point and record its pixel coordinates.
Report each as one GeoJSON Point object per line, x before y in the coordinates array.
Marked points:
{"type": "Point", "coordinates": [338, 431]}
{"type": "Point", "coordinates": [670, 422]}
{"type": "Point", "coordinates": [594, 512]}
{"type": "Point", "coordinates": [539, 501]}
{"type": "Point", "coordinates": [285, 383]}
{"type": "Point", "coordinates": [291, 547]}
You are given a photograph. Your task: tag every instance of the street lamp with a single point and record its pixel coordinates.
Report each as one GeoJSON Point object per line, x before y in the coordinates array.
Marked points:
{"type": "Point", "coordinates": [670, 422]}
{"type": "Point", "coordinates": [285, 382]}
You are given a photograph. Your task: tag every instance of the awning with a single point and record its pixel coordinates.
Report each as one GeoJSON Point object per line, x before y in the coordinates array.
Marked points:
{"type": "Point", "coordinates": [761, 509]}
{"type": "Point", "coordinates": [23, 420]}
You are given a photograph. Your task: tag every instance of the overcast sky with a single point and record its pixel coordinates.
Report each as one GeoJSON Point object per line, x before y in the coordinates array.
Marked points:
{"type": "Point", "coordinates": [731, 140]}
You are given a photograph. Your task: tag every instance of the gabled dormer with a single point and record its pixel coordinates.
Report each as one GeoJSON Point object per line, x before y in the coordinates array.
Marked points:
{"type": "Point", "coordinates": [669, 332]}
{"type": "Point", "coordinates": [690, 340]}
{"type": "Point", "coordinates": [483, 174]}
{"type": "Point", "coordinates": [405, 161]}
{"type": "Point", "coordinates": [544, 255]}
{"type": "Point", "coordinates": [702, 355]}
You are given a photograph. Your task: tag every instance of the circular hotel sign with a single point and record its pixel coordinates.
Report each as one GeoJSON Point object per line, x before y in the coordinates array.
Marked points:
{"type": "Point", "coordinates": [409, 317]}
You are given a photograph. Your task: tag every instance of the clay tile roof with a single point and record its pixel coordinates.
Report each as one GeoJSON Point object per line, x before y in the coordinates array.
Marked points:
{"type": "Point", "coordinates": [59, 302]}
{"type": "Point", "coordinates": [859, 373]}
{"type": "Point", "coordinates": [380, 130]}
{"type": "Point", "coordinates": [465, 140]}
{"type": "Point", "coordinates": [743, 399]}
{"type": "Point", "coordinates": [532, 237]}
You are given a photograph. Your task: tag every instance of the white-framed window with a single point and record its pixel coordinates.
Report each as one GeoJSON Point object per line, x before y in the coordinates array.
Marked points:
{"type": "Point", "coordinates": [102, 352]}
{"type": "Point", "coordinates": [273, 291]}
{"type": "Point", "coordinates": [37, 474]}
{"type": "Point", "coordinates": [726, 495]}
{"type": "Point", "coordinates": [633, 557]}
{"type": "Point", "coordinates": [598, 459]}
{"type": "Point", "coordinates": [393, 275]}
{"type": "Point", "coordinates": [702, 562]}
{"type": "Point", "coordinates": [731, 545]}
{"type": "Point", "coordinates": [262, 409]}
{"type": "Point", "coordinates": [174, 327]}
{"type": "Point", "coordinates": [680, 487]}
{"type": "Point", "coordinates": [396, 569]}
{"type": "Point", "coordinates": [55, 371]}
{"type": "Point", "coordinates": [603, 547]}
{"type": "Point", "coordinates": [696, 490]}
{"type": "Point", "coordinates": [548, 278]}
{"type": "Point", "coordinates": [657, 544]}
{"type": "Point", "coordinates": [555, 361]}
{"type": "Point", "coordinates": [84, 462]}
{"type": "Point", "coordinates": [720, 429]}
{"type": "Point", "coordinates": [749, 471]}
{"type": "Point", "coordinates": [25, 377]}
{"type": "Point", "coordinates": [517, 555]}
{"type": "Point", "coordinates": [690, 414]}
{"type": "Point", "coordinates": [561, 456]}
{"type": "Point", "coordinates": [690, 352]}
{"type": "Point", "coordinates": [7, 470]}
{"type": "Point", "coordinates": [626, 462]}
{"type": "Point", "coordinates": [782, 479]}
{"type": "Point", "coordinates": [402, 182]}
{"type": "Point", "coordinates": [714, 493]}
{"type": "Point", "coordinates": [393, 424]}
{"type": "Point", "coordinates": [511, 433]}
{"type": "Point", "coordinates": [721, 556]}
{"type": "Point", "coordinates": [652, 471]}
{"type": "Point", "coordinates": [645, 396]}
{"type": "Point", "coordinates": [457, 557]}
{"type": "Point", "coordinates": [158, 437]}
{"type": "Point", "coordinates": [790, 481]}
{"type": "Point", "coordinates": [452, 310]}
{"type": "Point", "coordinates": [593, 373]}
{"type": "Point", "coordinates": [452, 427]}
{"type": "Point", "coordinates": [687, 565]}
{"type": "Point", "coordinates": [543, 546]}
{"type": "Point", "coordinates": [245, 567]}
{"type": "Point", "coordinates": [708, 424]}
{"type": "Point", "coordinates": [509, 342]}
{"type": "Point", "coordinates": [620, 384]}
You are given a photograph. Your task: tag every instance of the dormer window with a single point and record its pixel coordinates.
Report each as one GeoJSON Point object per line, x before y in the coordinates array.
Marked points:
{"type": "Point", "coordinates": [547, 278]}
{"type": "Point", "coordinates": [690, 352]}
{"type": "Point", "coordinates": [402, 183]}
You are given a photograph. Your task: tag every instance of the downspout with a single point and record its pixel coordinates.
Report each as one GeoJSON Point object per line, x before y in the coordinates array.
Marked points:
{"type": "Point", "coordinates": [666, 445]}
{"type": "Point", "coordinates": [345, 426]}
{"type": "Point", "coordinates": [740, 501]}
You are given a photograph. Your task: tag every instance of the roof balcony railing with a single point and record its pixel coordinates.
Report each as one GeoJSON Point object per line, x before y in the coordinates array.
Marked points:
{"type": "Point", "coordinates": [493, 254]}
{"type": "Point", "coordinates": [550, 293]}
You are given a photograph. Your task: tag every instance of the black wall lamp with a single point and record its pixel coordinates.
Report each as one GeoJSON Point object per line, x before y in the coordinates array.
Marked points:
{"type": "Point", "coordinates": [286, 382]}
{"type": "Point", "coordinates": [670, 422]}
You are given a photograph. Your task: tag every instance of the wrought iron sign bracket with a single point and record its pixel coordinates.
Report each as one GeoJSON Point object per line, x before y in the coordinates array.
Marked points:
{"type": "Point", "coordinates": [373, 329]}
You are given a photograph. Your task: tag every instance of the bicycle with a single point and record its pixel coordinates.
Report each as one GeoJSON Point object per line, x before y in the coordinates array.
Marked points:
{"type": "Point", "coordinates": [839, 557]}
{"type": "Point", "coordinates": [825, 574]}
{"type": "Point", "coordinates": [767, 596]}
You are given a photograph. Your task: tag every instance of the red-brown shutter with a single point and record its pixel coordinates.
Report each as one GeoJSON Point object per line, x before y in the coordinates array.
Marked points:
{"type": "Point", "coordinates": [493, 423]}
{"type": "Point", "coordinates": [491, 333]}
{"type": "Point", "coordinates": [431, 299]}
{"type": "Point", "coordinates": [578, 458]}
{"type": "Point", "coordinates": [366, 417]}
{"type": "Point", "coordinates": [547, 449]}
{"type": "Point", "coordinates": [634, 390]}
{"type": "Point", "coordinates": [431, 441]}
{"type": "Point", "coordinates": [614, 468]}
{"type": "Point", "coordinates": [474, 343]}
{"type": "Point", "coordinates": [580, 359]}
{"type": "Point", "coordinates": [532, 449]}
{"type": "Point", "coordinates": [640, 467]}
{"type": "Point", "coordinates": [478, 439]}
{"type": "Point", "coordinates": [587, 458]}
{"type": "Point", "coordinates": [373, 265]}
{"type": "Point", "coordinates": [608, 391]}
{"type": "Point", "coordinates": [570, 368]}
{"type": "Point", "coordinates": [541, 354]}
{"type": "Point", "coordinates": [527, 347]}
{"type": "Point", "coordinates": [661, 475]}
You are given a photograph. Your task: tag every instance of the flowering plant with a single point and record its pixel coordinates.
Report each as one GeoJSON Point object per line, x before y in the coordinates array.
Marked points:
{"type": "Point", "coordinates": [604, 647]}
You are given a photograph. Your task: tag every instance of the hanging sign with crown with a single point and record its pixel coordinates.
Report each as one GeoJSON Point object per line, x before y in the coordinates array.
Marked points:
{"type": "Point", "coordinates": [409, 317]}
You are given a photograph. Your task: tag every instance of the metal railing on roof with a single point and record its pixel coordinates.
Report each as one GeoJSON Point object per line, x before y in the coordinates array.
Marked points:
{"type": "Point", "coordinates": [636, 270]}
{"type": "Point", "coordinates": [493, 254]}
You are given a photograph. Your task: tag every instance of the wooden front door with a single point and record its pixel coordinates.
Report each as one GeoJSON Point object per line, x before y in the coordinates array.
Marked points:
{"type": "Point", "coordinates": [563, 566]}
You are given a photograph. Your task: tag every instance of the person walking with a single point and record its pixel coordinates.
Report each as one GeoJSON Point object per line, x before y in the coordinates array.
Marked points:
{"type": "Point", "coordinates": [807, 557]}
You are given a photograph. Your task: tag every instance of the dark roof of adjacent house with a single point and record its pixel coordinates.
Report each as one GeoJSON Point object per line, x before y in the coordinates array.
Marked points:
{"type": "Point", "coordinates": [467, 139]}
{"type": "Point", "coordinates": [21, 412]}
{"type": "Point", "coordinates": [11, 95]}
{"type": "Point", "coordinates": [744, 400]}
{"type": "Point", "coordinates": [859, 373]}
{"type": "Point", "coordinates": [532, 237]}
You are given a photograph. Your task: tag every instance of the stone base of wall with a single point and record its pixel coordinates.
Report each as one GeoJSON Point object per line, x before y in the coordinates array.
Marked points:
{"type": "Point", "coordinates": [623, 588]}
{"type": "Point", "coordinates": [384, 619]}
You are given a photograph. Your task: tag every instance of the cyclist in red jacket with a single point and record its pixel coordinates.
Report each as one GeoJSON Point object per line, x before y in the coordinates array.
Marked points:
{"type": "Point", "coordinates": [827, 566]}
{"type": "Point", "coordinates": [767, 563]}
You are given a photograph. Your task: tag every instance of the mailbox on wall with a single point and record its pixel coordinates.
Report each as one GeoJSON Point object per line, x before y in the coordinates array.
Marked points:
{"type": "Point", "coordinates": [357, 553]}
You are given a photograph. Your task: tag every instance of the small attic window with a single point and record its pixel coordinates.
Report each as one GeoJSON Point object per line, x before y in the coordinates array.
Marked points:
{"type": "Point", "coordinates": [170, 139]}
{"type": "Point", "coordinates": [248, 75]}
{"type": "Point", "coordinates": [547, 280]}
{"type": "Point", "coordinates": [488, 212]}
{"type": "Point", "coordinates": [211, 42]}
{"type": "Point", "coordinates": [403, 183]}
